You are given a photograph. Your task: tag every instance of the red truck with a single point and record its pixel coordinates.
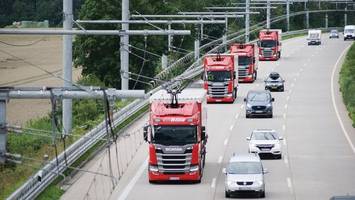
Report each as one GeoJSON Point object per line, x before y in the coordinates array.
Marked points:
{"type": "Point", "coordinates": [220, 77]}
{"type": "Point", "coordinates": [269, 44]}
{"type": "Point", "coordinates": [247, 66]}
{"type": "Point", "coordinates": [176, 135]}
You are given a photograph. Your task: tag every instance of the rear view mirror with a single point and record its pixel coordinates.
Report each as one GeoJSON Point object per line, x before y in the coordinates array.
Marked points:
{"type": "Point", "coordinates": [272, 99]}
{"type": "Point", "coordinates": [245, 99]}
{"type": "Point", "coordinates": [224, 171]}
{"type": "Point", "coordinates": [248, 138]}
{"type": "Point", "coordinates": [281, 138]}
{"type": "Point", "coordinates": [203, 133]}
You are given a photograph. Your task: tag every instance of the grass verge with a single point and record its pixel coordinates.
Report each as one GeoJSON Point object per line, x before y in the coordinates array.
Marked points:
{"type": "Point", "coordinates": [347, 82]}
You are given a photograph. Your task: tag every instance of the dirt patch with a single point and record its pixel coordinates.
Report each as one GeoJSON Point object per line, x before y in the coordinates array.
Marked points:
{"type": "Point", "coordinates": [44, 52]}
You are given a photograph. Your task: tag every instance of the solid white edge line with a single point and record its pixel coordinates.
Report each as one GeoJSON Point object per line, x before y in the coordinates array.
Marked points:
{"type": "Point", "coordinates": [220, 159]}
{"type": "Point", "coordinates": [225, 142]}
{"type": "Point", "coordinates": [236, 116]}
{"type": "Point", "coordinates": [231, 127]}
{"type": "Point", "coordinates": [133, 181]}
{"type": "Point", "coordinates": [334, 104]}
{"type": "Point", "coordinates": [284, 127]}
{"type": "Point", "coordinates": [289, 184]}
{"type": "Point", "coordinates": [213, 184]}
{"type": "Point", "coordinates": [286, 160]}
{"type": "Point", "coordinates": [284, 141]}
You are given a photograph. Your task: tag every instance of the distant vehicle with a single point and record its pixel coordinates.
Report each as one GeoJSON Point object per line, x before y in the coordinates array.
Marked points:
{"type": "Point", "coordinates": [221, 77]}
{"type": "Point", "coordinates": [347, 197]}
{"type": "Point", "coordinates": [270, 44]}
{"type": "Point", "coordinates": [265, 141]}
{"type": "Point", "coordinates": [258, 103]}
{"type": "Point", "coordinates": [334, 34]}
{"type": "Point", "coordinates": [176, 135]}
{"type": "Point", "coordinates": [274, 82]}
{"type": "Point", "coordinates": [244, 173]}
{"type": "Point", "coordinates": [314, 37]}
{"type": "Point", "coordinates": [247, 65]}
{"type": "Point", "coordinates": [349, 32]}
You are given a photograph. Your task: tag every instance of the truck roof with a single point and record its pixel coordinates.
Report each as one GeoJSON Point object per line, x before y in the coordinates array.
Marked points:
{"type": "Point", "coordinates": [242, 49]}
{"type": "Point", "coordinates": [226, 62]}
{"type": "Point", "coordinates": [270, 34]}
{"type": "Point", "coordinates": [189, 94]}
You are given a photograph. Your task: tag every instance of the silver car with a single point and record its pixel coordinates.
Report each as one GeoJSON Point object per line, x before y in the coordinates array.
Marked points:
{"type": "Point", "coordinates": [244, 174]}
{"type": "Point", "coordinates": [265, 141]}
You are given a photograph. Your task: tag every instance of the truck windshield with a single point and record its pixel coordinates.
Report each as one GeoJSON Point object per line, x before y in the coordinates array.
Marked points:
{"type": "Point", "coordinates": [218, 76]}
{"type": "Point", "coordinates": [314, 35]}
{"type": "Point", "coordinates": [244, 60]}
{"type": "Point", "coordinates": [268, 43]}
{"type": "Point", "coordinates": [175, 135]}
{"type": "Point", "coordinates": [244, 168]}
{"type": "Point", "coordinates": [349, 30]}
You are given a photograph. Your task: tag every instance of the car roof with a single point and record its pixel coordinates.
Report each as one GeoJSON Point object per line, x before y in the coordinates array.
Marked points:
{"type": "Point", "coordinates": [264, 130]}
{"type": "Point", "coordinates": [259, 91]}
{"type": "Point", "coordinates": [250, 157]}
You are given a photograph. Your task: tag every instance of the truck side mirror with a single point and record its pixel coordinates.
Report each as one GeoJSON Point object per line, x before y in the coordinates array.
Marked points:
{"type": "Point", "coordinates": [254, 60]}
{"type": "Point", "coordinates": [145, 133]}
{"type": "Point", "coordinates": [224, 171]}
{"type": "Point", "coordinates": [203, 133]}
{"type": "Point", "coordinates": [258, 43]}
{"type": "Point", "coordinates": [272, 99]}
{"type": "Point", "coordinates": [203, 76]}
{"type": "Point", "coordinates": [234, 75]}
{"type": "Point", "coordinates": [245, 99]}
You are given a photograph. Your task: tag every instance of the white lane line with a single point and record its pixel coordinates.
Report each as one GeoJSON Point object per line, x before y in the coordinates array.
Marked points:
{"type": "Point", "coordinates": [225, 142]}
{"type": "Point", "coordinates": [133, 181]}
{"type": "Point", "coordinates": [286, 106]}
{"type": "Point", "coordinates": [346, 134]}
{"type": "Point", "coordinates": [286, 160]}
{"type": "Point", "coordinates": [242, 106]}
{"type": "Point", "coordinates": [213, 184]}
{"type": "Point", "coordinates": [277, 64]}
{"type": "Point", "coordinates": [284, 127]}
{"type": "Point", "coordinates": [284, 115]}
{"type": "Point", "coordinates": [236, 116]}
{"type": "Point", "coordinates": [220, 159]}
{"type": "Point", "coordinates": [231, 127]}
{"type": "Point", "coordinates": [287, 98]}
{"type": "Point", "coordinates": [284, 141]}
{"type": "Point", "coordinates": [289, 184]}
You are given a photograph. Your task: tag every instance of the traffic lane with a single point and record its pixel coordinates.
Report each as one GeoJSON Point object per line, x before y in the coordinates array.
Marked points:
{"type": "Point", "coordinates": [320, 166]}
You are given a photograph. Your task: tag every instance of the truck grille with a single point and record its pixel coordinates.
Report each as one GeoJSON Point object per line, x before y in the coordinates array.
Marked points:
{"type": "Point", "coordinates": [242, 71]}
{"type": "Point", "coordinates": [218, 91]}
{"type": "Point", "coordinates": [267, 53]}
{"type": "Point", "coordinates": [245, 183]}
{"type": "Point", "coordinates": [174, 163]}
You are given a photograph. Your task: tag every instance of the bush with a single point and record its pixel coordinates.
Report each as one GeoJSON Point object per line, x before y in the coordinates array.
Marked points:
{"type": "Point", "coordinates": [347, 82]}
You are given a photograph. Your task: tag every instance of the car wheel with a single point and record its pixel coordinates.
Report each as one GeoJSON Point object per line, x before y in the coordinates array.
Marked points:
{"type": "Point", "coordinates": [282, 89]}
{"type": "Point", "coordinates": [247, 116]}
{"type": "Point", "coordinates": [227, 194]}
{"type": "Point", "coordinates": [279, 157]}
{"type": "Point", "coordinates": [262, 194]}
{"type": "Point", "coordinates": [270, 116]}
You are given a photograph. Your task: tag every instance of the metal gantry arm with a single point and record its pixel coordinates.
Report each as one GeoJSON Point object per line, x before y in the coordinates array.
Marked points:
{"type": "Point", "coordinates": [182, 21]}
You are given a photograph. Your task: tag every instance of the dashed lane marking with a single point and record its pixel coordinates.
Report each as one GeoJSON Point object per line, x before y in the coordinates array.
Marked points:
{"type": "Point", "coordinates": [236, 116]}
{"type": "Point", "coordinates": [286, 160]}
{"type": "Point", "coordinates": [231, 127]}
{"type": "Point", "coordinates": [286, 106]}
{"type": "Point", "coordinates": [284, 115]}
{"type": "Point", "coordinates": [242, 106]}
{"type": "Point", "coordinates": [220, 159]}
{"type": "Point", "coordinates": [213, 184]}
{"type": "Point", "coordinates": [284, 127]}
{"type": "Point", "coordinates": [225, 142]}
{"type": "Point", "coordinates": [289, 183]}
{"type": "Point", "coordinates": [287, 98]}
{"type": "Point", "coordinates": [284, 141]}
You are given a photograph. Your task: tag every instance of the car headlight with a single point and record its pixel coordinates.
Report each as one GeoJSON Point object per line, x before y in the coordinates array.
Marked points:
{"type": "Point", "coordinates": [277, 146]}
{"type": "Point", "coordinates": [230, 183]}
{"type": "Point", "coordinates": [260, 183]}
{"type": "Point", "coordinates": [268, 105]}
{"type": "Point", "coordinates": [248, 105]}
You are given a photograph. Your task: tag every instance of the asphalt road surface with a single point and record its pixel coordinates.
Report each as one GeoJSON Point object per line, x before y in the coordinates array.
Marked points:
{"type": "Point", "coordinates": [318, 147]}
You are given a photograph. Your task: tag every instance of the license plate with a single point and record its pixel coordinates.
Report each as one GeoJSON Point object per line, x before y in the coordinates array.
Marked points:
{"type": "Point", "coordinates": [244, 188]}
{"type": "Point", "coordinates": [264, 149]}
{"type": "Point", "coordinates": [174, 178]}
{"type": "Point", "coordinates": [218, 100]}
{"type": "Point", "coordinates": [258, 111]}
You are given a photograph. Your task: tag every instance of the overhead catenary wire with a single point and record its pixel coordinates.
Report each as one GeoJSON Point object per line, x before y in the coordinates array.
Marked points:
{"type": "Point", "coordinates": [143, 62]}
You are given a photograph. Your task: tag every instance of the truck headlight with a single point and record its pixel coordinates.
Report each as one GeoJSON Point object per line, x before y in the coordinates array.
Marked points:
{"type": "Point", "coordinates": [194, 168]}
{"type": "Point", "coordinates": [153, 168]}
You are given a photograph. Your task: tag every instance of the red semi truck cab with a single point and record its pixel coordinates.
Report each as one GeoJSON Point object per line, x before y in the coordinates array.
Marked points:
{"type": "Point", "coordinates": [176, 135]}
{"type": "Point", "coordinates": [247, 66]}
{"type": "Point", "coordinates": [269, 44]}
{"type": "Point", "coordinates": [220, 77]}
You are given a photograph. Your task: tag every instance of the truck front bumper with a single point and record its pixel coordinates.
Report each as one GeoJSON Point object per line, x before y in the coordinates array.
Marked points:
{"type": "Point", "coordinates": [162, 177]}
{"type": "Point", "coordinates": [273, 58]}
{"type": "Point", "coordinates": [226, 99]}
{"type": "Point", "coordinates": [246, 79]}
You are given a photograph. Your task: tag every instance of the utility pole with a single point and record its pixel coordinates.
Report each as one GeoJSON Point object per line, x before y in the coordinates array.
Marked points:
{"type": "Point", "coordinates": [307, 14]}
{"type": "Point", "coordinates": [170, 38]}
{"type": "Point", "coordinates": [3, 131]}
{"type": "Point", "coordinates": [268, 14]}
{"type": "Point", "coordinates": [326, 20]}
{"type": "Point", "coordinates": [288, 14]}
{"type": "Point", "coordinates": [247, 20]}
{"type": "Point", "coordinates": [346, 15]}
{"type": "Point", "coordinates": [67, 64]}
{"type": "Point", "coordinates": [124, 48]}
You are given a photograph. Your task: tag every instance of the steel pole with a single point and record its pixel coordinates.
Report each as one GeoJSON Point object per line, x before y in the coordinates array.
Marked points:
{"type": "Point", "coordinates": [268, 14]}
{"type": "Point", "coordinates": [170, 38]}
{"type": "Point", "coordinates": [124, 48]}
{"type": "Point", "coordinates": [326, 20]}
{"type": "Point", "coordinates": [307, 15]}
{"type": "Point", "coordinates": [197, 49]}
{"type": "Point", "coordinates": [346, 16]}
{"type": "Point", "coordinates": [67, 64]}
{"type": "Point", "coordinates": [247, 20]}
{"type": "Point", "coordinates": [3, 131]}
{"type": "Point", "coordinates": [288, 14]}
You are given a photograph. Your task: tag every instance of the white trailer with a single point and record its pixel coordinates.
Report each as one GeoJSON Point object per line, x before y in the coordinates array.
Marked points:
{"type": "Point", "coordinates": [314, 37]}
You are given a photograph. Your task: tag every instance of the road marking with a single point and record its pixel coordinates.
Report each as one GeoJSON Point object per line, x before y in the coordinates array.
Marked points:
{"type": "Point", "coordinates": [277, 64]}
{"type": "Point", "coordinates": [346, 134]}
{"type": "Point", "coordinates": [289, 184]}
{"type": "Point", "coordinates": [231, 127]}
{"type": "Point", "coordinates": [284, 141]}
{"type": "Point", "coordinates": [284, 127]}
{"type": "Point", "coordinates": [220, 159]}
{"type": "Point", "coordinates": [286, 106]}
{"type": "Point", "coordinates": [236, 116]}
{"type": "Point", "coordinates": [287, 98]}
{"type": "Point", "coordinates": [225, 142]}
{"type": "Point", "coordinates": [213, 184]}
{"type": "Point", "coordinates": [133, 181]}
{"type": "Point", "coordinates": [242, 106]}
{"type": "Point", "coordinates": [286, 160]}
{"type": "Point", "coordinates": [284, 115]}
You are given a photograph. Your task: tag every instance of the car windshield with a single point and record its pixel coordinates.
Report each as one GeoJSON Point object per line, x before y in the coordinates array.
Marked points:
{"type": "Point", "coordinates": [218, 76]}
{"type": "Point", "coordinates": [175, 135]}
{"type": "Point", "coordinates": [258, 97]}
{"type": "Point", "coordinates": [268, 43]}
{"type": "Point", "coordinates": [244, 168]}
{"type": "Point", "coordinates": [263, 136]}
{"type": "Point", "coordinates": [334, 31]}
{"type": "Point", "coordinates": [244, 60]}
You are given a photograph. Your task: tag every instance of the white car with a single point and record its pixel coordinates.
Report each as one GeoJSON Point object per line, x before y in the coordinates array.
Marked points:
{"type": "Point", "coordinates": [265, 141]}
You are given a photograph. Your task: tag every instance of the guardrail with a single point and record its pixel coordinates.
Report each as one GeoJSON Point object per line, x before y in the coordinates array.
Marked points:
{"type": "Point", "coordinates": [32, 187]}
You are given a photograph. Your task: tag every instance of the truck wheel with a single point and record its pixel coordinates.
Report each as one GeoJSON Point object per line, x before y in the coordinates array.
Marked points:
{"type": "Point", "coordinates": [227, 194]}
{"type": "Point", "coordinates": [255, 75]}
{"type": "Point", "coordinates": [279, 54]}
{"type": "Point", "coordinates": [235, 93]}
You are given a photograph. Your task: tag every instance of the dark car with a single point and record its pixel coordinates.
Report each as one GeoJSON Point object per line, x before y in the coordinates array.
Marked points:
{"type": "Point", "coordinates": [274, 82]}
{"type": "Point", "coordinates": [343, 198]}
{"type": "Point", "coordinates": [258, 103]}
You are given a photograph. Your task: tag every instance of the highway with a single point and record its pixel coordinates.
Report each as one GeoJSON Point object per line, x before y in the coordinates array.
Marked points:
{"type": "Point", "coordinates": [318, 147]}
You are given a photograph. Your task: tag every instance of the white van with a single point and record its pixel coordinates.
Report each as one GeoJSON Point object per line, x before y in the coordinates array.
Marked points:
{"type": "Point", "coordinates": [349, 32]}
{"type": "Point", "coordinates": [314, 37]}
